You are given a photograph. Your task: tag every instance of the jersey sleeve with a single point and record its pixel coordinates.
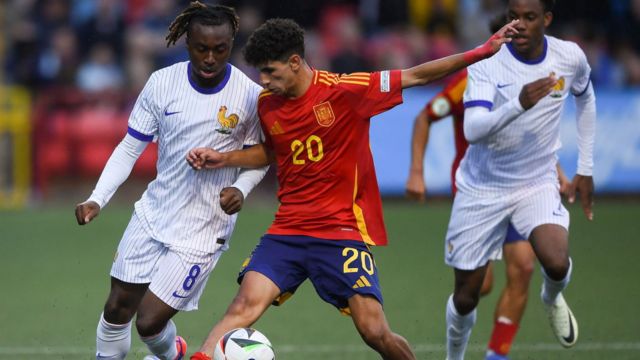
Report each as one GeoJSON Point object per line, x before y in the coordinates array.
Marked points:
{"type": "Point", "coordinates": [254, 130]}
{"type": "Point", "coordinates": [449, 100]}
{"type": "Point", "coordinates": [480, 91]}
{"type": "Point", "coordinates": [143, 121]}
{"type": "Point", "coordinates": [374, 92]}
{"type": "Point", "coordinates": [583, 73]}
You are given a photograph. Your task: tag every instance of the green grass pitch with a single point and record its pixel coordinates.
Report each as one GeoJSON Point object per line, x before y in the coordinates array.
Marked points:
{"type": "Point", "coordinates": [55, 280]}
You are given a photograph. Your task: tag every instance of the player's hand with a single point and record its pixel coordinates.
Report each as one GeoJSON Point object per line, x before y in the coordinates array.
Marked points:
{"type": "Point", "coordinates": [205, 158]}
{"type": "Point", "coordinates": [566, 187]}
{"type": "Point", "coordinates": [231, 200]}
{"type": "Point", "coordinates": [534, 91]}
{"type": "Point", "coordinates": [416, 188]}
{"type": "Point", "coordinates": [86, 211]}
{"type": "Point", "coordinates": [584, 186]}
{"type": "Point", "coordinates": [492, 45]}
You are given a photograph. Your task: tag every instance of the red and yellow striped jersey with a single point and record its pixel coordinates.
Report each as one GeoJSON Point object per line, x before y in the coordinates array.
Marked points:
{"type": "Point", "coordinates": [327, 182]}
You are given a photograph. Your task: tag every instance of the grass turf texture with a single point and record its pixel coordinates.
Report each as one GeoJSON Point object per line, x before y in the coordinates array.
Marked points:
{"type": "Point", "coordinates": [55, 281]}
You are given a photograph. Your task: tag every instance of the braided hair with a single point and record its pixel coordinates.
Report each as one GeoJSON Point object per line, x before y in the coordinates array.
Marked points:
{"type": "Point", "coordinates": [204, 14]}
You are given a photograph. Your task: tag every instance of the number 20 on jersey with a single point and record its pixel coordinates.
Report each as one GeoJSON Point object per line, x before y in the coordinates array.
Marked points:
{"type": "Point", "coordinates": [314, 150]}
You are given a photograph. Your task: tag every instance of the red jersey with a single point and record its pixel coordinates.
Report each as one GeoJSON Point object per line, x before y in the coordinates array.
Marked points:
{"type": "Point", "coordinates": [327, 182]}
{"type": "Point", "coordinates": [449, 102]}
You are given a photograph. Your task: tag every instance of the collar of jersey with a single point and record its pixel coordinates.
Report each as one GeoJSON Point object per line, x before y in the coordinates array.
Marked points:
{"type": "Point", "coordinates": [535, 61]}
{"type": "Point", "coordinates": [213, 90]}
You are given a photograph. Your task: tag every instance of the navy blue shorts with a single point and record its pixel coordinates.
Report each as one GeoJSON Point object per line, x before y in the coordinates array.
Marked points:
{"type": "Point", "coordinates": [512, 235]}
{"type": "Point", "coordinates": [338, 269]}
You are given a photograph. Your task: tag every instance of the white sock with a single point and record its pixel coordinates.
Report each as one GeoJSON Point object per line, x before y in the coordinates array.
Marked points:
{"type": "Point", "coordinates": [551, 288]}
{"type": "Point", "coordinates": [163, 345]}
{"type": "Point", "coordinates": [458, 331]}
{"type": "Point", "coordinates": [113, 341]}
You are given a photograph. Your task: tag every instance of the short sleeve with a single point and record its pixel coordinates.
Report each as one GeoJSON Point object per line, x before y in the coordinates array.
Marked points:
{"type": "Point", "coordinates": [143, 121]}
{"type": "Point", "coordinates": [449, 100]}
{"type": "Point", "coordinates": [480, 90]}
{"type": "Point", "coordinates": [374, 92]}
{"type": "Point", "coordinates": [254, 130]}
{"type": "Point", "coordinates": [583, 73]}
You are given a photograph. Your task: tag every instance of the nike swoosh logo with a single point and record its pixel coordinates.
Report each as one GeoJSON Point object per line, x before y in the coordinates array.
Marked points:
{"type": "Point", "coordinates": [500, 86]}
{"type": "Point", "coordinates": [167, 113]}
{"type": "Point", "coordinates": [557, 213]}
{"type": "Point", "coordinates": [175, 294]}
{"type": "Point", "coordinates": [569, 339]}
{"type": "Point", "coordinates": [99, 356]}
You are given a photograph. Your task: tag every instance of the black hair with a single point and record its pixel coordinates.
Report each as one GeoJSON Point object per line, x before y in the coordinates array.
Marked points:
{"type": "Point", "coordinates": [548, 5]}
{"type": "Point", "coordinates": [203, 14]}
{"type": "Point", "coordinates": [275, 40]}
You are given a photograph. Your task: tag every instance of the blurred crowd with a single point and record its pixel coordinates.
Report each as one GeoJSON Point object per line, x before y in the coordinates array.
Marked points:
{"type": "Point", "coordinates": [98, 45]}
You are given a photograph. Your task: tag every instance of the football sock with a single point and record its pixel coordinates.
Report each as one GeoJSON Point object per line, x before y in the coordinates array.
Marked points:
{"type": "Point", "coordinates": [113, 341]}
{"type": "Point", "coordinates": [551, 288]}
{"type": "Point", "coordinates": [458, 331]}
{"type": "Point", "coordinates": [163, 345]}
{"type": "Point", "coordinates": [504, 331]}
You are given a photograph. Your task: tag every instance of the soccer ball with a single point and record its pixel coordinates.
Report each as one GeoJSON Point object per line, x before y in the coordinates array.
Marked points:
{"type": "Point", "coordinates": [244, 344]}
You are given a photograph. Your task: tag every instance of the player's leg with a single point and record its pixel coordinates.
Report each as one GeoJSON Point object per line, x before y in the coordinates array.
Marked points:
{"type": "Point", "coordinates": [255, 295]}
{"type": "Point", "coordinates": [176, 285]}
{"type": "Point", "coordinates": [487, 283]}
{"type": "Point", "coordinates": [461, 310]}
{"type": "Point", "coordinates": [271, 274]}
{"type": "Point", "coordinates": [129, 282]}
{"type": "Point", "coordinates": [541, 215]}
{"type": "Point", "coordinates": [476, 231]}
{"type": "Point", "coordinates": [113, 334]}
{"type": "Point", "coordinates": [550, 242]}
{"type": "Point", "coordinates": [371, 323]}
{"type": "Point", "coordinates": [519, 260]}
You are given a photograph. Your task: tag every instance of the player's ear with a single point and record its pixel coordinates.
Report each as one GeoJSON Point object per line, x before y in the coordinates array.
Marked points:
{"type": "Point", "coordinates": [295, 62]}
{"type": "Point", "coordinates": [548, 18]}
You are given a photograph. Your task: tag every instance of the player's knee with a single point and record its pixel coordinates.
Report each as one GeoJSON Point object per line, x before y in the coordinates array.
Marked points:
{"type": "Point", "coordinates": [374, 335]}
{"type": "Point", "coordinates": [523, 272]}
{"type": "Point", "coordinates": [557, 269]}
{"type": "Point", "coordinates": [244, 308]}
{"type": "Point", "coordinates": [149, 325]}
{"type": "Point", "coordinates": [118, 310]}
{"type": "Point", "coordinates": [465, 303]}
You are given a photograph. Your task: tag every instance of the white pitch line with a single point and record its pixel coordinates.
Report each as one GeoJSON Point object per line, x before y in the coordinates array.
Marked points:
{"type": "Point", "coordinates": [347, 348]}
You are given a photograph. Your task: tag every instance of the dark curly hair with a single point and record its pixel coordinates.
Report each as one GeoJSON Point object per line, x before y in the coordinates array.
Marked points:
{"type": "Point", "coordinates": [547, 5]}
{"type": "Point", "coordinates": [275, 40]}
{"type": "Point", "coordinates": [203, 14]}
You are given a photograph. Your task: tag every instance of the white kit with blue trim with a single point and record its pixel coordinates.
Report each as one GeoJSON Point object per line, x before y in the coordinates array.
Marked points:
{"type": "Point", "coordinates": [510, 147]}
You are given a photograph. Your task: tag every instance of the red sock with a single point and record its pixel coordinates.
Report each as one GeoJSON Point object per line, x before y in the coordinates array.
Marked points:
{"type": "Point", "coordinates": [502, 337]}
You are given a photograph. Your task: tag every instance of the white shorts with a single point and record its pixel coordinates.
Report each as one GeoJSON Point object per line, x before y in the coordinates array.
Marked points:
{"type": "Point", "coordinates": [176, 275]}
{"type": "Point", "coordinates": [478, 224]}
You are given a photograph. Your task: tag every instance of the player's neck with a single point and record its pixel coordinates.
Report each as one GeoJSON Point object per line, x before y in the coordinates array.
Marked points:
{"type": "Point", "coordinates": [303, 82]}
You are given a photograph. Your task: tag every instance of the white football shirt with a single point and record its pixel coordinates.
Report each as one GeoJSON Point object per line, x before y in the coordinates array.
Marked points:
{"type": "Point", "coordinates": [522, 153]}
{"type": "Point", "coordinates": [181, 207]}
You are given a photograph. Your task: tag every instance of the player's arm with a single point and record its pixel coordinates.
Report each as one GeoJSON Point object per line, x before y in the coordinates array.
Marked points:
{"type": "Point", "coordinates": [115, 172]}
{"type": "Point", "coordinates": [415, 187]}
{"type": "Point", "coordinates": [232, 197]}
{"type": "Point", "coordinates": [254, 157]}
{"type": "Point", "coordinates": [586, 123]}
{"type": "Point", "coordinates": [433, 70]}
{"type": "Point", "coordinates": [481, 122]}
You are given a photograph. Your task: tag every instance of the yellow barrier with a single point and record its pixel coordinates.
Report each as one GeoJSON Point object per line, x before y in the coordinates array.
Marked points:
{"type": "Point", "coordinates": [15, 147]}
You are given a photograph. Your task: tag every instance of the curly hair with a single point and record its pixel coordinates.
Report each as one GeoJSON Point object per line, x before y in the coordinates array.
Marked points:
{"type": "Point", "coordinates": [548, 5]}
{"type": "Point", "coordinates": [275, 40]}
{"type": "Point", "coordinates": [203, 14]}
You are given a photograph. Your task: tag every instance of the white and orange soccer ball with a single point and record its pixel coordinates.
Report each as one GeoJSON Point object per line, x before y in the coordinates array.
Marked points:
{"type": "Point", "coordinates": [244, 344]}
